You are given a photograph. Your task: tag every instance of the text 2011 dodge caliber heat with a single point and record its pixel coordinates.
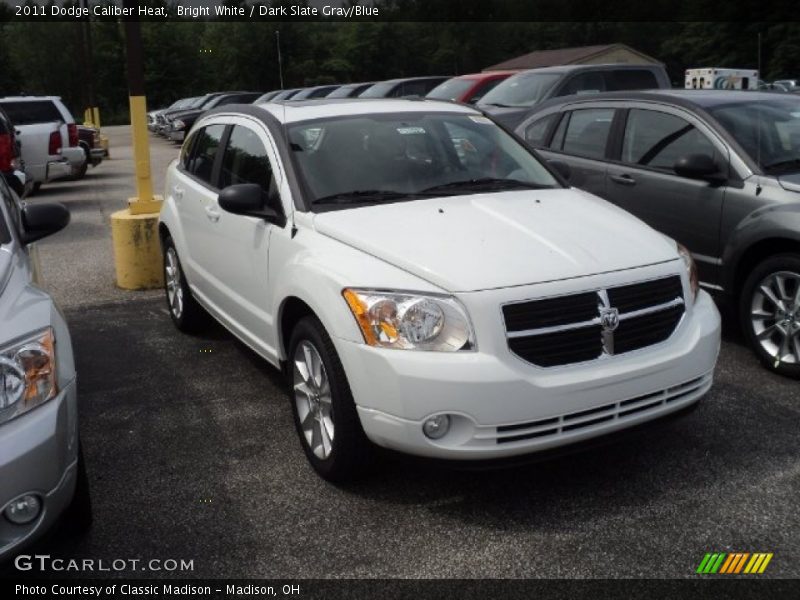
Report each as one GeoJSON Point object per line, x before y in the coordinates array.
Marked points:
{"type": "Point", "coordinates": [427, 283]}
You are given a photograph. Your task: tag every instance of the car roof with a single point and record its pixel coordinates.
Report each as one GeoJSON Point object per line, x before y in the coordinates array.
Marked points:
{"type": "Point", "coordinates": [23, 98]}
{"type": "Point", "coordinates": [487, 75]}
{"type": "Point", "coordinates": [402, 79]}
{"type": "Point", "coordinates": [304, 110]}
{"type": "Point", "coordinates": [592, 67]}
{"type": "Point", "coordinates": [688, 98]}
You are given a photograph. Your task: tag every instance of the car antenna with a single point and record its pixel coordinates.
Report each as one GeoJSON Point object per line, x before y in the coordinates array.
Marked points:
{"type": "Point", "coordinates": [283, 124]}
{"type": "Point", "coordinates": [758, 121]}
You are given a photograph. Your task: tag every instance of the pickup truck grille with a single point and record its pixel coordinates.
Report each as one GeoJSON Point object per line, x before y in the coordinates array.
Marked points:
{"type": "Point", "coordinates": [590, 325]}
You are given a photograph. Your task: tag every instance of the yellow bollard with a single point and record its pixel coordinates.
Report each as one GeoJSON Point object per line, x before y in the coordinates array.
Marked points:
{"type": "Point", "coordinates": [134, 230]}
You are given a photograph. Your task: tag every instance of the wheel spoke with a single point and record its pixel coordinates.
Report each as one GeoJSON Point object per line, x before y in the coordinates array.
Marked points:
{"type": "Point", "coordinates": [308, 355]}
{"type": "Point", "coordinates": [324, 438]}
{"type": "Point", "coordinates": [770, 295]}
{"type": "Point", "coordinates": [796, 345]}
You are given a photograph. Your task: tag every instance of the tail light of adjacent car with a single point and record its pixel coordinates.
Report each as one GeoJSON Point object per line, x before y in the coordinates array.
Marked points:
{"type": "Point", "coordinates": [72, 133]}
{"type": "Point", "coordinates": [54, 146]}
{"type": "Point", "coordinates": [6, 152]}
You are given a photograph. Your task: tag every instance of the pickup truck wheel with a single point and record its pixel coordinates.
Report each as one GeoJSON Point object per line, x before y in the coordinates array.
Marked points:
{"type": "Point", "coordinates": [184, 310]}
{"type": "Point", "coordinates": [324, 411]}
{"type": "Point", "coordinates": [770, 313]}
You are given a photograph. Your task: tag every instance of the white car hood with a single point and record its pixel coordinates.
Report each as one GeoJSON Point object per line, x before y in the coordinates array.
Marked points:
{"type": "Point", "coordinates": [488, 241]}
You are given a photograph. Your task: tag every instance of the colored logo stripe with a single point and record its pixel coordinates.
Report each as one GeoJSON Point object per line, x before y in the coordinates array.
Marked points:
{"type": "Point", "coordinates": [734, 563]}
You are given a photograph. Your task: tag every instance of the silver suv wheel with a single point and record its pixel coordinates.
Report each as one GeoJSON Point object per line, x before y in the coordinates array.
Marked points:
{"type": "Point", "coordinates": [312, 396]}
{"type": "Point", "coordinates": [172, 275]}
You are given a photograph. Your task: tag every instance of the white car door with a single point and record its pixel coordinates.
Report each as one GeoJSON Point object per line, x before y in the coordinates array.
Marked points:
{"type": "Point", "coordinates": [237, 250]}
{"type": "Point", "coordinates": [194, 190]}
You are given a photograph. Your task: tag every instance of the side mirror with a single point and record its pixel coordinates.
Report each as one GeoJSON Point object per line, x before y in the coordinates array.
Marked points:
{"type": "Point", "coordinates": [698, 166]}
{"type": "Point", "coordinates": [250, 200]}
{"type": "Point", "coordinates": [562, 168]}
{"type": "Point", "coordinates": [41, 220]}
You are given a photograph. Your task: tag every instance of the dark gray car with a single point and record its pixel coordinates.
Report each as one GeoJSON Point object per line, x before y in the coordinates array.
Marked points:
{"type": "Point", "coordinates": [719, 171]}
{"type": "Point", "coordinates": [513, 98]}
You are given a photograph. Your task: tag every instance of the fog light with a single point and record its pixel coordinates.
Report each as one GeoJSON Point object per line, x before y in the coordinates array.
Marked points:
{"type": "Point", "coordinates": [436, 427]}
{"type": "Point", "coordinates": [24, 509]}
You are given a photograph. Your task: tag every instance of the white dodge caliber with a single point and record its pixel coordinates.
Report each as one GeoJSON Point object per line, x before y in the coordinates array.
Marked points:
{"type": "Point", "coordinates": [427, 283]}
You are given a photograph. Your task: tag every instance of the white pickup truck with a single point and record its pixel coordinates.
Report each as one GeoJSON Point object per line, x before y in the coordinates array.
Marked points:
{"type": "Point", "coordinates": [48, 136]}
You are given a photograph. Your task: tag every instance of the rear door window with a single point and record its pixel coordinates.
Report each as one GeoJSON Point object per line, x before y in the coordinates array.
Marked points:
{"type": "Point", "coordinates": [33, 111]}
{"type": "Point", "coordinates": [585, 132]}
{"type": "Point", "coordinates": [204, 153]}
{"type": "Point", "coordinates": [657, 139]}
{"type": "Point", "coordinates": [631, 79]}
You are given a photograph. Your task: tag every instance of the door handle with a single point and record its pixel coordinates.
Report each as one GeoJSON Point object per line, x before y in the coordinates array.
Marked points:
{"type": "Point", "coordinates": [623, 179]}
{"type": "Point", "coordinates": [178, 191]}
{"type": "Point", "coordinates": [212, 214]}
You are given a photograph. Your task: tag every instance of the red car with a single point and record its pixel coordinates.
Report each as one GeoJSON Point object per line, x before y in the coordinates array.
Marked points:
{"type": "Point", "coordinates": [468, 88]}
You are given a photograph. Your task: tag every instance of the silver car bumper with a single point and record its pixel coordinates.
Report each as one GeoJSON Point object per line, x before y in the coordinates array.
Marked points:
{"type": "Point", "coordinates": [58, 169]}
{"type": "Point", "coordinates": [38, 455]}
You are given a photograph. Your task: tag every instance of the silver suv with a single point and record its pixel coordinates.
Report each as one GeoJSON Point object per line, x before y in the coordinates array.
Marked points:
{"type": "Point", "coordinates": [41, 470]}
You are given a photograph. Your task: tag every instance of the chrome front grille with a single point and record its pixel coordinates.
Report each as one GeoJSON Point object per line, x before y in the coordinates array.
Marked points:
{"type": "Point", "coordinates": [589, 325]}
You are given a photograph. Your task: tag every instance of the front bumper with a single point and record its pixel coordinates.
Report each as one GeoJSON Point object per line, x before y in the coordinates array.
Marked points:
{"type": "Point", "coordinates": [38, 455]}
{"type": "Point", "coordinates": [176, 135]}
{"type": "Point", "coordinates": [503, 407]}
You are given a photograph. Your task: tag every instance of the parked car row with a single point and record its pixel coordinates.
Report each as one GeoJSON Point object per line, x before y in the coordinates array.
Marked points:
{"type": "Point", "coordinates": [40, 142]}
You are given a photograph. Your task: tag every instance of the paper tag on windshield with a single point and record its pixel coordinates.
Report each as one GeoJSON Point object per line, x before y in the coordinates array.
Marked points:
{"type": "Point", "coordinates": [411, 130]}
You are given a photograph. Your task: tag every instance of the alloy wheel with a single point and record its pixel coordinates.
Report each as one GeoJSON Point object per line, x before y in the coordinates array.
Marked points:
{"type": "Point", "coordinates": [775, 316]}
{"type": "Point", "coordinates": [172, 276]}
{"type": "Point", "coordinates": [312, 396]}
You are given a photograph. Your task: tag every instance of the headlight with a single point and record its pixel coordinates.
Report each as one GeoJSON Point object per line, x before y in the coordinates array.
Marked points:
{"type": "Point", "coordinates": [691, 270]}
{"type": "Point", "coordinates": [27, 374]}
{"type": "Point", "coordinates": [178, 124]}
{"type": "Point", "coordinates": [410, 321]}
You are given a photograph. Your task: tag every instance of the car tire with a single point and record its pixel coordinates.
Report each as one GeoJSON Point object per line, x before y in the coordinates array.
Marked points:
{"type": "Point", "coordinates": [35, 188]}
{"type": "Point", "coordinates": [325, 414]}
{"type": "Point", "coordinates": [77, 517]}
{"type": "Point", "coordinates": [769, 309]}
{"type": "Point", "coordinates": [185, 311]}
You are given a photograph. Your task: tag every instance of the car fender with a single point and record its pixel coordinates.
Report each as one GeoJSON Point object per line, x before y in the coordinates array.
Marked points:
{"type": "Point", "coordinates": [775, 221]}
{"type": "Point", "coordinates": [315, 269]}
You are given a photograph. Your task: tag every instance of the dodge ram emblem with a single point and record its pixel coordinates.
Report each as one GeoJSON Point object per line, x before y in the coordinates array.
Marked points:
{"type": "Point", "coordinates": [609, 318]}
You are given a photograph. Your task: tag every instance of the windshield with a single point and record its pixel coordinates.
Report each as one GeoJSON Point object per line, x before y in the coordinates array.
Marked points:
{"type": "Point", "coordinates": [522, 90]}
{"type": "Point", "coordinates": [768, 130]}
{"type": "Point", "coordinates": [377, 158]}
{"type": "Point", "coordinates": [452, 89]}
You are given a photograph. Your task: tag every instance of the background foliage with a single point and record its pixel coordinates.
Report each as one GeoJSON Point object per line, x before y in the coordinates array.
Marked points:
{"type": "Point", "coordinates": [185, 58]}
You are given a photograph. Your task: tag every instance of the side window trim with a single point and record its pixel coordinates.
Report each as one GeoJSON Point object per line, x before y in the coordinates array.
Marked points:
{"type": "Point", "coordinates": [217, 167]}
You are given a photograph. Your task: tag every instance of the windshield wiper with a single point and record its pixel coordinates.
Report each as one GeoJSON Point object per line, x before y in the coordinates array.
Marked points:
{"type": "Point", "coordinates": [360, 196]}
{"type": "Point", "coordinates": [484, 183]}
{"type": "Point", "coordinates": [783, 165]}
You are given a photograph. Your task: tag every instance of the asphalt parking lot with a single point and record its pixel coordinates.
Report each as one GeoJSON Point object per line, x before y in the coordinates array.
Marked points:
{"type": "Point", "coordinates": [192, 455]}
